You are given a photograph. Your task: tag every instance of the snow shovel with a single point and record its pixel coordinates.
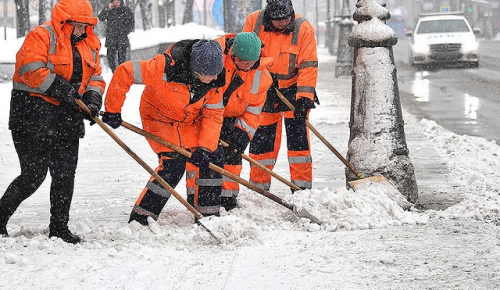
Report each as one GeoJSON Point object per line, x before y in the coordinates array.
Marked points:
{"type": "Point", "coordinates": [378, 181]}
{"type": "Point", "coordinates": [300, 213]}
{"type": "Point", "coordinates": [148, 169]}
{"type": "Point", "coordinates": [265, 169]}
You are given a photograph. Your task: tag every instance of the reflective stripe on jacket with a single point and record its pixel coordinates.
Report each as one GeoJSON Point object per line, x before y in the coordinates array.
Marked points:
{"type": "Point", "coordinates": [294, 53]}
{"type": "Point", "coordinates": [168, 107]}
{"type": "Point", "coordinates": [47, 51]}
{"type": "Point", "coordinates": [244, 92]}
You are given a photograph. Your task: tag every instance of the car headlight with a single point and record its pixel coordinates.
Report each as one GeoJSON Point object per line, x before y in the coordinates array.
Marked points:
{"type": "Point", "coordinates": [469, 47]}
{"type": "Point", "coordinates": [420, 47]}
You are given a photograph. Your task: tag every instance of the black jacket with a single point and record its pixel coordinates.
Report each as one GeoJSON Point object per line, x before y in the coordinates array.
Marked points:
{"type": "Point", "coordinates": [35, 116]}
{"type": "Point", "coordinates": [119, 23]}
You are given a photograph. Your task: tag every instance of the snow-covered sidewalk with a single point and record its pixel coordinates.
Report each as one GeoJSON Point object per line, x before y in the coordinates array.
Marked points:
{"type": "Point", "coordinates": [366, 241]}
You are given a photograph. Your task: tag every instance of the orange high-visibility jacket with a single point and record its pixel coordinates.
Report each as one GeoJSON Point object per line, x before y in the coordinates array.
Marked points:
{"type": "Point", "coordinates": [244, 92]}
{"type": "Point", "coordinates": [47, 51]}
{"type": "Point", "coordinates": [295, 59]}
{"type": "Point", "coordinates": [167, 107]}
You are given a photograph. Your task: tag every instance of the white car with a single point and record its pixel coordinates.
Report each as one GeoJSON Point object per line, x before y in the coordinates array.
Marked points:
{"type": "Point", "coordinates": [443, 38]}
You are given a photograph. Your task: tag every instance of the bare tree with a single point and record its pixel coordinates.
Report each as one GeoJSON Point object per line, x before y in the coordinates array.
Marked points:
{"type": "Point", "coordinates": [166, 13]}
{"type": "Point", "coordinates": [23, 17]}
{"type": "Point", "coordinates": [162, 13]}
{"type": "Point", "coordinates": [170, 13]}
{"type": "Point", "coordinates": [44, 8]}
{"type": "Point", "coordinates": [145, 6]}
{"type": "Point", "coordinates": [188, 12]}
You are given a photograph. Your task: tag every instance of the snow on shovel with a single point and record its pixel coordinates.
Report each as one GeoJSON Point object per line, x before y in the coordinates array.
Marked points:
{"type": "Point", "coordinates": [378, 182]}
{"type": "Point", "coordinates": [300, 213]}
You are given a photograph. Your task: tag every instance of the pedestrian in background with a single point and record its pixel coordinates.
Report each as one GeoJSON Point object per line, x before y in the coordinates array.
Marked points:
{"type": "Point", "coordinates": [119, 23]}
{"type": "Point", "coordinates": [289, 39]}
{"type": "Point", "coordinates": [181, 103]}
{"type": "Point", "coordinates": [57, 62]}
{"type": "Point", "coordinates": [247, 82]}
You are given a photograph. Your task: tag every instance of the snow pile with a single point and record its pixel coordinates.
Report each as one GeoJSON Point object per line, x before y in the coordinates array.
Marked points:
{"type": "Point", "coordinates": [365, 208]}
{"type": "Point", "coordinates": [338, 209]}
{"type": "Point", "coordinates": [476, 163]}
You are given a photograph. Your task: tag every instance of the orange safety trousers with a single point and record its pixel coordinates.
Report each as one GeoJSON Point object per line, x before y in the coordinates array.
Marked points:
{"type": "Point", "coordinates": [231, 188]}
{"type": "Point", "coordinates": [265, 147]}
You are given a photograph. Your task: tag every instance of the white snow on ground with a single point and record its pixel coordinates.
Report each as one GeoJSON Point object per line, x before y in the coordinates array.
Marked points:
{"type": "Point", "coordinates": [475, 162]}
{"type": "Point", "coordinates": [365, 242]}
{"type": "Point", "coordinates": [9, 47]}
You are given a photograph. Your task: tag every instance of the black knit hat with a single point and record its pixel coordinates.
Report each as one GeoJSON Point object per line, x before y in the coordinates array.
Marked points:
{"type": "Point", "coordinates": [279, 9]}
{"type": "Point", "coordinates": [206, 57]}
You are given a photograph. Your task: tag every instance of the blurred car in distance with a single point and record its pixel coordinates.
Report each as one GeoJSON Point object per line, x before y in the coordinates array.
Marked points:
{"type": "Point", "coordinates": [443, 38]}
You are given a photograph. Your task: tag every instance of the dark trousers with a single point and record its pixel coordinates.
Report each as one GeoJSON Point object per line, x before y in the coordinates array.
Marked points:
{"type": "Point", "coordinates": [204, 186]}
{"type": "Point", "coordinates": [37, 155]}
{"type": "Point", "coordinates": [117, 56]}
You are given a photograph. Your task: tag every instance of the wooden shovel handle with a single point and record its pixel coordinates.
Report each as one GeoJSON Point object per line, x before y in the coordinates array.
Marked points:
{"type": "Point", "coordinates": [358, 175]}
{"type": "Point", "coordinates": [265, 169]}
{"type": "Point", "coordinates": [211, 165]}
{"type": "Point", "coordinates": [141, 162]}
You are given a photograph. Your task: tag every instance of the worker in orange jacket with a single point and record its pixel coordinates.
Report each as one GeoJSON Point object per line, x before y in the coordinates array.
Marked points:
{"type": "Point", "coordinates": [247, 82]}
{"type": "Point", "coordinates": [181, 103]}
{"type": "Point", "coordinates": [289, 39]}
{"type": "Point", "coordinates": [58, 62]}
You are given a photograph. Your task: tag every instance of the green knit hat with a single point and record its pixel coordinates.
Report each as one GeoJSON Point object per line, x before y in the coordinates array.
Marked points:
{"type": "Point", "coordinates": [247, 46]}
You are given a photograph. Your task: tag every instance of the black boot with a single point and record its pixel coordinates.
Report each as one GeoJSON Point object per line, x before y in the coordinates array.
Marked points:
{"type": "Point", "coordinates": [66, 235]}
{"type": "Point", "coordinates": [3, 231]}
{"type": "Point", "coordinates": [3, 224]}
{"type": "Point", "coordinates": [142, 219]}
{"type": "Point", "coordinates": [301, 188]}
{"type": "Point", "coordinates": [229, 203]}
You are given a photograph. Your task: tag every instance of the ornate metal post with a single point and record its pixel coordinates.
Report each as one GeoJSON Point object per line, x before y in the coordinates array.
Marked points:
{"type": "Point", "coordinates": [329, 30]}
{"type": "Point", "coordinates": [343, 66]}
{"type": "Point", "coordinates": [377, 142]}
{"type": "Point", "coordinates": [5, 19]}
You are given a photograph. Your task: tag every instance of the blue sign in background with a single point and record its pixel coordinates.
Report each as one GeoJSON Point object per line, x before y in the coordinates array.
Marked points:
{"type": "Point", "coordinates": [239, 9]}
{"type": "Point", "coordinates": [217, 11]}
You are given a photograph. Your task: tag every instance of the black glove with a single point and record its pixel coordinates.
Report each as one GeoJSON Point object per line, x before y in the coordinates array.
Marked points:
{"type": "Point", "coordinates": [93, 101]}
{"type": "Point", "coordinates": [238, 140]}
{"type": "Point", "coordinates": [200, 158]}
{"type": "Point", "coordinates": [301, 107]}
{"type": "Point", "coordinates": [64, 92]}
{"type": "Point", "coordinates": [112, 119]}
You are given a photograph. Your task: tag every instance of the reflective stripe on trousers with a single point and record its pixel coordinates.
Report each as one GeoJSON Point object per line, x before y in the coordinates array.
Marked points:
{"type": "Point", "coordinates": [230, 187]}
{"type": "Point", "coordinates": [203, 186]}
{"type": "Point", "coordinates": [265, 147]}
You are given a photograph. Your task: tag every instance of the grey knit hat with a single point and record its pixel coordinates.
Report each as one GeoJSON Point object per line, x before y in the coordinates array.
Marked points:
{"type": "Point", "coordinates": [206, 57]}
{"type": "Point", "coordinates": [279, 9]}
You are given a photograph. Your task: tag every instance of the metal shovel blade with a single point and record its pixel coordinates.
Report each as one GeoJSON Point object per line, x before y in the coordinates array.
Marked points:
{"type": "Point", "coordinates": [209, 231]}
{"type": "Point", "coordinates": [305, 214]}
{"type": "Point", "coordinates": [381, 183]}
